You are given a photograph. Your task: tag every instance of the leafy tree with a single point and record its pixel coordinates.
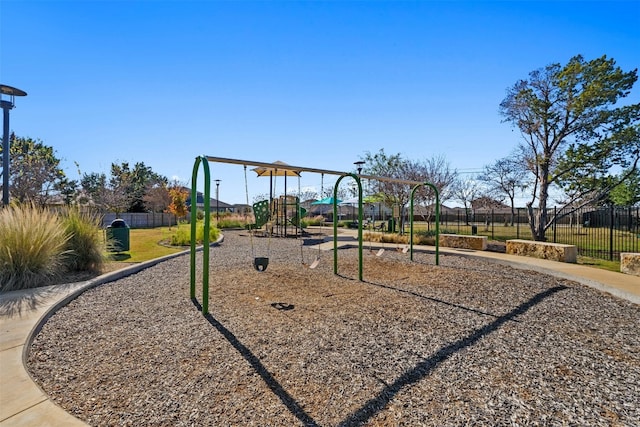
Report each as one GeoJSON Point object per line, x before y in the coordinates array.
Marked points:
{"type": "Point", "coordinates": [628, 192]}
{"type": "Point", "coordinates": [572, 133]}
{"type": "Point", "coordinates": [178, 205]}
{"type": "Point", "coordinates": [68, 189]}
{"type": "Point", "coordinates": [135, 182]}
{"type": "Point", "coordinates": [35, 172]}
{"type": "Point", "coordinates": [505, 178]}
{"type": "Point", "coordinates": [105, 195]}
{"type": "Point", "coordinates": [93, 188]}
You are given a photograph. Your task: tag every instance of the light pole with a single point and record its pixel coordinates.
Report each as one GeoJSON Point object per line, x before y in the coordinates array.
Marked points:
{"type": "Point", "coordinates": [217, 200]}
{"type": "Point", "coordinates": [6, 107]}
{"type": "Point", "coordinates": [358, 164]}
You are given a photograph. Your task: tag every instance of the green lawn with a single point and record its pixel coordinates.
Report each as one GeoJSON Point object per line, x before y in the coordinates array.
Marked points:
{"type": "Point", "coordinates": [146, 245]}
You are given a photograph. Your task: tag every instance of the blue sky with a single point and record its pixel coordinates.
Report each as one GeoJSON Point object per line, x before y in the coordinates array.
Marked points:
{"type": "Point", "coordinates": [310, 83]}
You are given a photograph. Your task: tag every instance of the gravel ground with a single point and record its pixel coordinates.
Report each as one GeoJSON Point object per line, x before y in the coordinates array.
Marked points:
{"type": "Point", "coordinates": [467, 343]}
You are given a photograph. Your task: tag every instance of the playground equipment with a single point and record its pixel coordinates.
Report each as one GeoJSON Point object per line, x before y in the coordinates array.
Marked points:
{"type": "Point", "coordinates": [260, 263]}
{"type": "Point", "coordinates": [281, 211]}
{"type": "Point", "coordinates": [261, 213]}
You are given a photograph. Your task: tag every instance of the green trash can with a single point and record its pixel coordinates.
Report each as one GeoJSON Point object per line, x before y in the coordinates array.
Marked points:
{"type": "Point", "coordinates": [118, 236]}
{"type": "Point", "coordinates": [391, 226]}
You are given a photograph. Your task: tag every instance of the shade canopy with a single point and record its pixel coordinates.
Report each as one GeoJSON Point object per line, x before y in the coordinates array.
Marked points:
{"type": "Point", "coordinates": [367, 200]}
{"type": "Point", "coordinates": [326, 201]}
{"type": "Point", "coordinates": [8, 90]}
{"type": "Point", "coordinates": [275, 171]}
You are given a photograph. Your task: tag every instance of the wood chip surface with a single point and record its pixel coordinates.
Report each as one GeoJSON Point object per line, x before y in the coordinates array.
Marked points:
{"type": "Point", "coordinates": [469, 342]}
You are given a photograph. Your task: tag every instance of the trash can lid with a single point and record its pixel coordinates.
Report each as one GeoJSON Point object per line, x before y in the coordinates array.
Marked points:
{"type": "Point", "coordinates": [118, 223]}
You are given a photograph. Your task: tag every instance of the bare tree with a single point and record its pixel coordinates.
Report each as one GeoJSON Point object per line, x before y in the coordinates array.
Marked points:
{"type": "Point", "coordinates": [466, 191]}
{"type": "Point", "coordinates": [505, 177]}
{"type": "Point", "coordinates": [157, 197]}
{"type": "Point", "coordinates": [437, 172]}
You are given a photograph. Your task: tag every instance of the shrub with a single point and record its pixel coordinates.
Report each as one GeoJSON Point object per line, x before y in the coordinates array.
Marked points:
{"type": "Point", "coordinates": [232, 221]}
{"type": "Point", "coordinates": [85, 248]}
{"type": "Point", "coordinates": [316, 220]}
{"type": "Point", "coordinates": [182, 236]}
{"type": "Point", "coordinates": [32, 247]}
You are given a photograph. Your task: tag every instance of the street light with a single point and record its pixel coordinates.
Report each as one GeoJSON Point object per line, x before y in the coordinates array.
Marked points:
{"type": "Point", "coordinates": [359, 164]}
{"type": "Point", "coordinates": [6, 106]}
{"type": "Point", "coordinates": [217, 200]}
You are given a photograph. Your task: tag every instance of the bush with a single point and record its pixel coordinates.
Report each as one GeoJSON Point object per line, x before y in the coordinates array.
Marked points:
{"type": "Point", "coordinates": [85, 248]}
{"type": "Point", "coordinates": [428, 237]}
{"type": "Point", "coordinates": [316, 220]}
{"type": "Point", "coordinates": [32, 247]}
{"type": "Point", "coordinates": [232, 221]}
{"type": "Point", "coordinates": [182, 236]}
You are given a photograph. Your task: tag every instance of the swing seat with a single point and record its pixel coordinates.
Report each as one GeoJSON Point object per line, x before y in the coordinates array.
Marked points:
{"type": "Point", "coordinates": [260, 263]}
{"type": "Point", "coordinates": [315, 263]}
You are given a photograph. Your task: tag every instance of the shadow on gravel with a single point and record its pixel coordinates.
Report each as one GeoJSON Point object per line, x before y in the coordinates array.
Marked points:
{"type": "Point", "coordinates": [424, 368]}
{"type": "Point", "coordinates": [450, 304]}
{"type": "Point", "coordinates": [292, 405]}
{"type": "Point", "coordinates": [376, 404]}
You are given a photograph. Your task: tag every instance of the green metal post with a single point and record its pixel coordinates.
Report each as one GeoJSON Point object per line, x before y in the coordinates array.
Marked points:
{"type": "Point", "coordinates": [207, 226]}
{"type": "Point", "coordinates": [194, 194]}
{"type": "Point", "coordinates": [335, 224]}
{"type": "Point", "coordinates": [205, 239]}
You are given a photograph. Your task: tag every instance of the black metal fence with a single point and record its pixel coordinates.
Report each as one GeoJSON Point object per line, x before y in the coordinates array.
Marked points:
{"type": "Point", "coordinates": [599, 233]}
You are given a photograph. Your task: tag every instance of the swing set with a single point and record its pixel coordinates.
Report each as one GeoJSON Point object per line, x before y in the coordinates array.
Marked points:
{"type": "Point", "coordinates": [261, 263]}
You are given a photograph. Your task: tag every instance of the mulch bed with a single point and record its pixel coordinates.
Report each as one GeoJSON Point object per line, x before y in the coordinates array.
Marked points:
{"type": "Point", "coordinates": [468, 342]}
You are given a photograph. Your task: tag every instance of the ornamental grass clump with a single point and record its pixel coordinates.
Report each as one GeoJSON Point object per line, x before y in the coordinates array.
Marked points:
{"type": "Point", "coordinates": [85, 245]}
{"type": "Point", "coordinates": [182, 236]}
{"type": "Point", "coordinates": [231, 221]}
{"type": "Point", "coordinates": [32, 247]}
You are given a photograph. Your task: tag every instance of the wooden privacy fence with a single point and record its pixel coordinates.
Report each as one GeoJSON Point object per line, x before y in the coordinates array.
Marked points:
{"type": "Point", "coordinates": [141, 220]}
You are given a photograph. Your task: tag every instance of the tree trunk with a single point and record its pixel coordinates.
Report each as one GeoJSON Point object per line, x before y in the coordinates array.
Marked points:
{"type": "Point", "coordinates": [538, 229]}
{"type": "Point", "coordinates": [513, 211]}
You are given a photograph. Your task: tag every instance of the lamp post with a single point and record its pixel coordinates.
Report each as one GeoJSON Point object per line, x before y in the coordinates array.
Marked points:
{"type": "Point", "coordinates": [217, 200]}
{"type": "Point", "coordinates": [359, 164]}
{"type": "Point", "coordinates": [6, 107]}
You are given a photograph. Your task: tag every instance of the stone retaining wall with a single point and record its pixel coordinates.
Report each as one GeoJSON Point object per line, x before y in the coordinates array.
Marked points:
{"type": "Point", "coordinates": [544, 250]}
{"type": "Point", "coordinates": [630, 263]}
{"type": "Point", "coordinates": [478, 243]}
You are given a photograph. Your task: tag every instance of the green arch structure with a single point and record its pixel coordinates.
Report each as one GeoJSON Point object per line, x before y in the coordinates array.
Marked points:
{"type": "Point", "coordinates": [207, 227]}
{"type": "Point", "coordinates": [413, 192]}
{"type": "Point", "coordinates": [207, 216]}
{"type": "Point", "coordinates": [335, 224]}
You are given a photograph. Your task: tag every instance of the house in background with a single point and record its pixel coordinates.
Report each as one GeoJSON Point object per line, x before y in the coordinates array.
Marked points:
{"type": "Point", "coordinates": [214, 205]}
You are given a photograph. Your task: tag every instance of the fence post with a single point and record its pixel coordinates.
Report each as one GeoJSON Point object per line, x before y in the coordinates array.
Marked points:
{"type": "Point", "coordinates": [517, 223]}
{"type": "Point", "coordinates": [493, 236]}
{"type": "Point", "coordinates": [611, 219]}
{"type": "Point", "coordinates": [555, 223]}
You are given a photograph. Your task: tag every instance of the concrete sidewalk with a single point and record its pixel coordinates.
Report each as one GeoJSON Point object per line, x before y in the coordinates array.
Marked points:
{"type": "Point", "coordinates": [22, 403]}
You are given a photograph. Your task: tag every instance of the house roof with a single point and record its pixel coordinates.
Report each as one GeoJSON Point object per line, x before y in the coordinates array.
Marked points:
{"type": "Point", "coordinates": [212, 202]}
